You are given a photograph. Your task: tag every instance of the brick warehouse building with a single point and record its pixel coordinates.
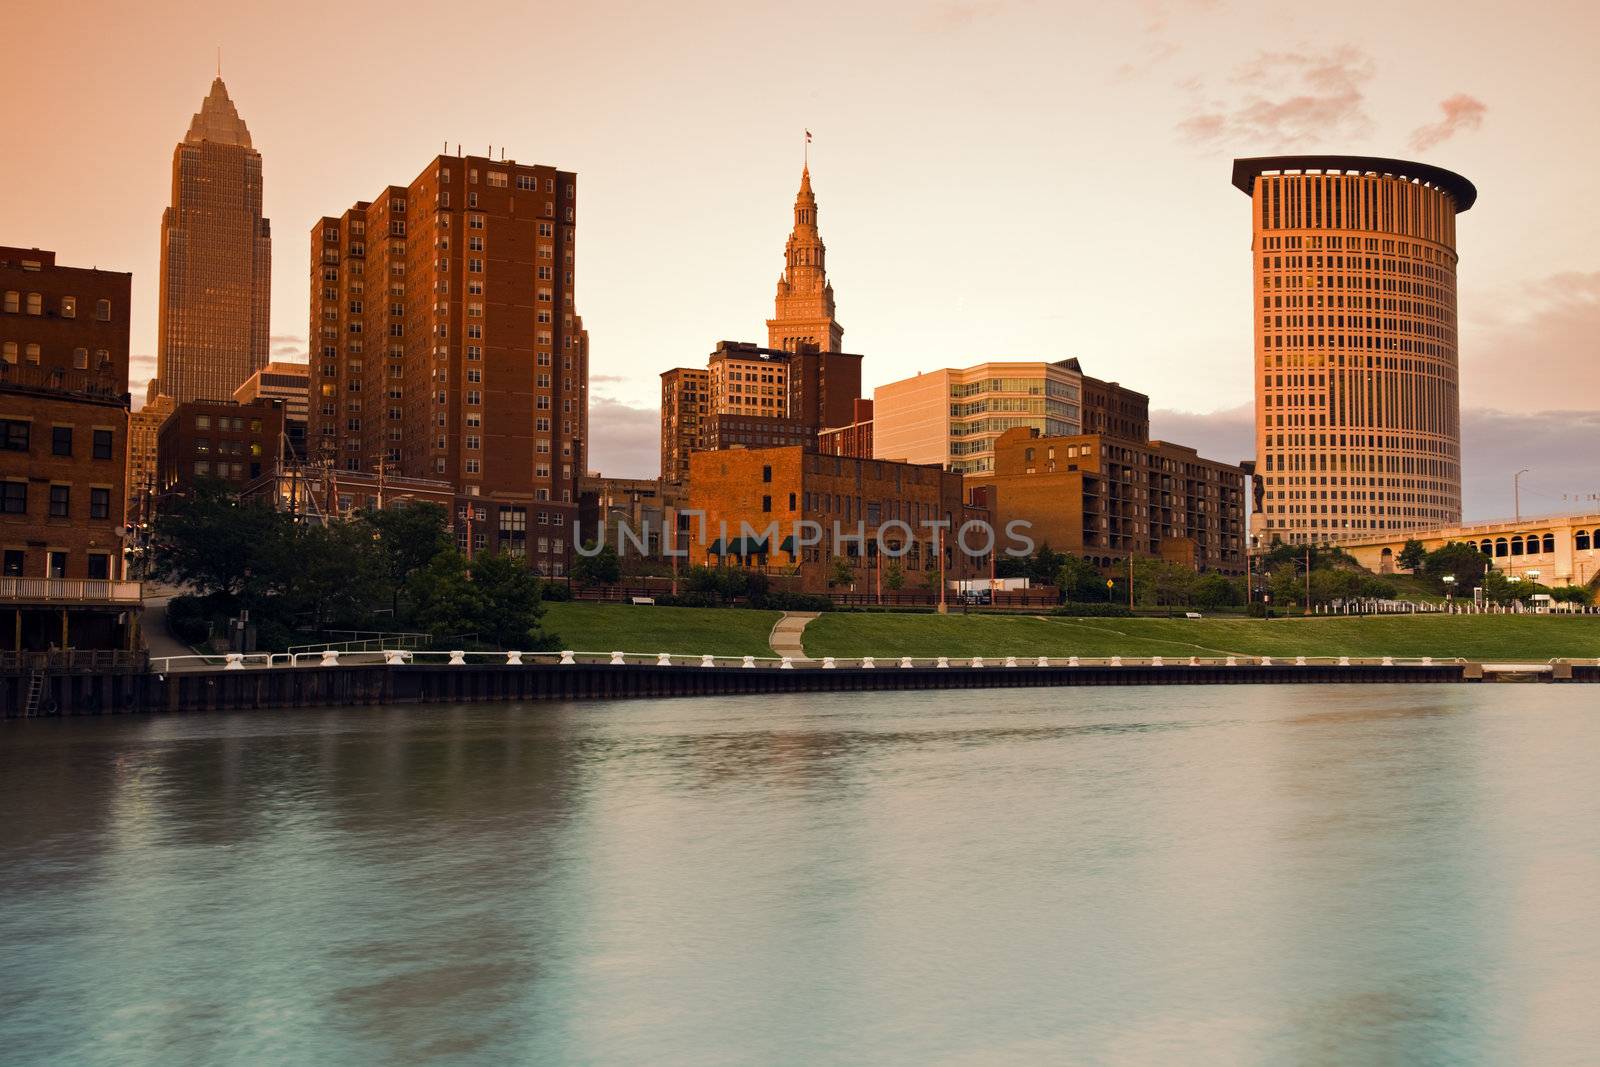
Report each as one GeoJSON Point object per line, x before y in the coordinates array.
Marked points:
{"type": "Point", "coordinates": [63, 451]}
{"type": "Point", "coordinates": [445, 345]}
{"type": "Point", "coordinates": [739, 490]}
{"type": "Point", "coordinates": [219, 439]}
{"type": "Point", "coordinates": [1104, 497]}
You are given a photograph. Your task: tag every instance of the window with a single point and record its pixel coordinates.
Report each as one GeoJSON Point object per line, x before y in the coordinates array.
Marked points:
{"type": "Point", "coordinates": [61, 440]}
{"type": "Point", "coordinates": [31, 353]}
{"type": "Point", "coordinates": [10, 352]}
{"type": "Point", "coordinates": [80, 359]}
{"type": "Point", "coordinates": [13, 301]}
{"type": "Point", "coordinates": [766, 503]}
{"type": "Point", "coordinates": [13, 562]}
{"type": "Point", "coordinates": [14, 435]}
{"type": "Point", "coordinates": [14, 498]}
{"type": "Point", "coordinates": [35, 304]}
{"type": "Point", "coordinates": [99, 566]}
{"type": "Point", "coordinates": [102, 311]}
{"type": "Point", "coordinates": [56, 564]}
{"type": "Point", "coordinates": [69, 307]}
{"type": "Point", "coordinates": [60, 501]}
{"type": "Point", "coordinates": [102, 444]}
{"type": "Point", "coordinates": [766, 473]}
{"type": "Point", "coordinates": [99, 503]}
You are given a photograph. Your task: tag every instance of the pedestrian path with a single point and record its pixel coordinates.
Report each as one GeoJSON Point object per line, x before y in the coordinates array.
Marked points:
{"type": "Point", "coordinates": [786, 633]}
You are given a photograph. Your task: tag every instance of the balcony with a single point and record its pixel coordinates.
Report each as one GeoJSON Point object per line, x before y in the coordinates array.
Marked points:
{"type": "Point", "coordinates": [67, 592]}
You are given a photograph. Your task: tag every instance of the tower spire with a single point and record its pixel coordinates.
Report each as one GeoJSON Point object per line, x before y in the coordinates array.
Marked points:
{"type": "Point", "coordinates": [804, 314]}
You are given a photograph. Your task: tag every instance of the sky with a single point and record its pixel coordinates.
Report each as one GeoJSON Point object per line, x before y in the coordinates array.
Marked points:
{"type": "Point", "coordinates": [996, 178]}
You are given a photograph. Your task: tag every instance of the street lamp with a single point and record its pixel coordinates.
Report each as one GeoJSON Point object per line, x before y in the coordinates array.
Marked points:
{"type": "Point", "coordinates": [1449, 590]}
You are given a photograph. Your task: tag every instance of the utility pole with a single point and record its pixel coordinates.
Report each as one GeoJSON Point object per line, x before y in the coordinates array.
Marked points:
{"type": "Point", "coordinates": [1308, 579]}
{"type": "Point", "coordinates": [1516, 491]}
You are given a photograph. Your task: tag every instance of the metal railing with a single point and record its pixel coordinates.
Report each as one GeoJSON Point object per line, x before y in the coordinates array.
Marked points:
{"type": "Point", "coordinates": [71, 590]}
{"type": "Point", "coordinates": [459, 658]}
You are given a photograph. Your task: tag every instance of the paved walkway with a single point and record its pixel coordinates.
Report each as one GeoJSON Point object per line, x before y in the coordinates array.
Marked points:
{"type": "Point", "coordinates": [785, 636]}
{"type": "Point", "coordinates": [153, 628]}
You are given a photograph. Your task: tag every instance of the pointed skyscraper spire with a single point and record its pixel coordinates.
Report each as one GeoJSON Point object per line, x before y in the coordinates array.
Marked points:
{"type": "Point", "coordinates": [218, 120]}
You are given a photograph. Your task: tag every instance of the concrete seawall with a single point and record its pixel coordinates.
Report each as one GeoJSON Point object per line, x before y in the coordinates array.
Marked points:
{"type": "Point", "coordinates": [378, 684]}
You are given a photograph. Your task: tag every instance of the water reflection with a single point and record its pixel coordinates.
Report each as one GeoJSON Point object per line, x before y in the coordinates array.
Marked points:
{"type": "Point", "coordinates": [1329, 874]}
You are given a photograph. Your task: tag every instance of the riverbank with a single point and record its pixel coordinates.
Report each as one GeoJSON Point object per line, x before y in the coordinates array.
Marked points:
{"type": "Point", "coordinates": [742, 632]}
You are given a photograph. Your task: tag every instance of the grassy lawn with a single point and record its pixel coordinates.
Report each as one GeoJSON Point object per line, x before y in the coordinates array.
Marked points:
{"type": "Point", "coordinates": [1480, 637]}
{"type": "Point", "coordinates": [692, 631]}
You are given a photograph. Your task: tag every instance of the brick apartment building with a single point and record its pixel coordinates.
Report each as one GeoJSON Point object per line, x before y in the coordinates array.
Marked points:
{"type": "Point", "coordinates": [445, 345]}
{"type": "Point", "coordinates": [1104, 497]}
{"type": "Point", "coordinates": [219, 439]}
{"type": "Point", "coordinates": [767, 492]}
{"type": "Point", "coordinates": [63, 453]}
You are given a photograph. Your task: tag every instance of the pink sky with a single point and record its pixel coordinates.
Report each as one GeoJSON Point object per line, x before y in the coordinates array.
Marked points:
{"type": "Point", "coordinates": [995, 178]}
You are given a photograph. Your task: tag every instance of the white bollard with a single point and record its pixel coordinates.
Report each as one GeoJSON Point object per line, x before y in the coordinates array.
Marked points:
{"type": "Point", "coordinates": [827, 663]}
{"type": "Point", "coordinates": [1011, 661]}
{"type": "Point", "coordinates": [513, 659]}
{"type": "Point", "coordinates": [787, 664]}
{"type": "Point", "coordinates": [1072, 661]}
{"type": "Point", "coordinates": [905, 662]}
{"type": "Point", "coordinates": [749, 661]}
{"type": "Point", "coordinates": [1427, 661]}
{"type": "Point", "coordinates": [975, 661]}
{"type": "Point", "coordinates": [617, 659]}
{"type": "Point", "coordinates": [235, 662]}
{"type": "Point", "coordinates": [1233, 661]}
{"type": "Point", "coordinates": [1299, 661]}
{"type": "Point", "coordinates": [457, 659]}
{"type": "Point", "coordinates": [708, 661]}
{"type": "Point", "coordinates": [1194, 661]}
{"type": "Point", "coordinates": [944, 661]}
{"type": "Point", "coordinates": [1388, 661]}
{"type": "Point", "coordinates": [1157, 661]}
{"type": "Point", "coordinates": [1344, 661]}
{"type": "Point", "coordinates": [867, 663]}
{"type": "Point", "coordinates": [566, 657]}
{"type": "Point", "coordinates": [1044, 661]}
{"type": "Point", "coordinates": [330, 658]}
{"type": "Point", "coordinates": [663, 660]}
{"type": "Point", "coordinates": [1116, 661]}
{"type": "Point", "coordinates": [394, 657]}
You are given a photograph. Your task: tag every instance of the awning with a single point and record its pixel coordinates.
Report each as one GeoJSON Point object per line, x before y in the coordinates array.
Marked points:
{"type": "Point", "coordinates": [739, 546]}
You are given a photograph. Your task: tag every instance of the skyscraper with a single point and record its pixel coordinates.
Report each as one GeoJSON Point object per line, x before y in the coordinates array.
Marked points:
{"type": "Point", "coordinates": [1357, 397]}
{"type": "Point", "coordinates": [216, 259]}
{"type": "Point", "coordinates": [445, 345]}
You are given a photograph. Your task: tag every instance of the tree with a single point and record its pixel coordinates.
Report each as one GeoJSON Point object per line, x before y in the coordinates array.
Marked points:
{"type": "Point", "coordinates": [445, 602]}
{"type": "Point", "coordinates": [511, 605]}
{"type": "Point", "coordinates": [894, 576]}
{"type": "Point", "coordinates": [1412, 555]}
{"type": "Point", "coordinates": [1215, 590]}
{"type": "Point", "coordinates": [1079, 580]}
{"type": "Point", "coordinates": [213, 543]}
{"type": "Point", "coordinates": [408, 538]}
{"type": "Point", "coordinates": [1459, 559]}
{"type": "Point", "coordinates": [602, 568]}
{"type": "Point", "coordinates": [840, 571]}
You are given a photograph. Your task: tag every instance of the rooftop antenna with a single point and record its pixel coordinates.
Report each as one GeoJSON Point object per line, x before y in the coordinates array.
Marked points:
{"type": "Point", "coordinates": [219, 61]}
{"type": "Point", "coordinates": [805, 158]}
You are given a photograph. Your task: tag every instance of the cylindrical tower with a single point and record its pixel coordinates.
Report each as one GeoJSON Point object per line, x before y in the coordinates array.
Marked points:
{"type": "Point", "coordinates": [1358, 412]}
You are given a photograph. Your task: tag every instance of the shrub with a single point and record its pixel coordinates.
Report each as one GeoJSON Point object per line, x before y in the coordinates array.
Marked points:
{"type": "Point", "coordinates": [786, 601]}
{"type": "Point", "coordinates": [1093, 611]}
{"type": "Point", "coordinates": [554, 591]}
{"type": "Point", "coordinates": [188, 619]}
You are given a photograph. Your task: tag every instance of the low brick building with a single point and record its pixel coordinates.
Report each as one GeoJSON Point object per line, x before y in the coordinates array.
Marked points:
{"type": "Point", "coordinates": [1104, 497]}
{"type": "Point", "coordinates": [221, 439]}
{"type": "Point", "coordinates": [853, 438]}
{"type": "Point", "coordinates": [789, 511]}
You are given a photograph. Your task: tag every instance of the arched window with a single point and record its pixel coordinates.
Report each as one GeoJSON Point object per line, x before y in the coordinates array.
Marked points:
{"type": "Point", "coordinates": [1580, 541]}
{"type": "Point", "coordinates": [1516, 545]}
{"type": "Point", "coordinates": [13, 301]}
{"type": "Point", "coordinates": [1548, 543]}
{"type": "Point", "coordinates": [1500, 547]}
{"type": "Point", "coordinates": [1487, 547]}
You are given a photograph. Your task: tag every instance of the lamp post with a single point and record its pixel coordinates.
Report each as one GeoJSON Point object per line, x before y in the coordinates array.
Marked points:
{"type": "Point", "coordinates": [1449, 581]}
{"type": "Point", "coordinates": [1516, 492]}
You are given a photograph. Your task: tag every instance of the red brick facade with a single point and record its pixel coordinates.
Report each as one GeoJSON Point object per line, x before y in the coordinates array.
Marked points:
{"type": "Point", "coordinates": [751, 504]}
{"type": "Point", "coordinates": [219, 439]}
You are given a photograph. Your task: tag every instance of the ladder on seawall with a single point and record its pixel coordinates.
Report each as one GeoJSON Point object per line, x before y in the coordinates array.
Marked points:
{"type": "Point", "coordinates": [30, 706]}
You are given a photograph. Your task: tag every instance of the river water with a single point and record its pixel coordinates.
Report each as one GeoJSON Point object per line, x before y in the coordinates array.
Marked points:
{"type": "Point", "coordinates": [1352, 874]}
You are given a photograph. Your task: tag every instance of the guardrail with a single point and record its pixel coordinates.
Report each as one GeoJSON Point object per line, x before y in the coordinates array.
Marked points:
{"type": "Point", "coordinates": [408, 657]}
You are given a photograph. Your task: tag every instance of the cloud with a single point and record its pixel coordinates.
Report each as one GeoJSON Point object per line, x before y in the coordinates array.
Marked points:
{"type": "Point", "coordinates": [612, 379]}
{"type": "Point", "coordinates": [1461, 112]}
{"type": "Point", "coordinates": [1560, 449]}
{"type": "Point", "coordinates": [1281, 98]}
{"type": "Point", "coordinates": [287, 345]}
{"type": "Point", "coordinates": [624, 441]}
{"type": "Point", "coordinates": [1533, 343]}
